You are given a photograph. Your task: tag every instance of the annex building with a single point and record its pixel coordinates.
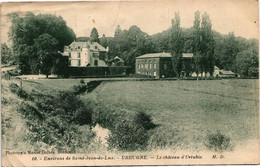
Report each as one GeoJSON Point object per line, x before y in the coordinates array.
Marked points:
{"type": "Point", "coordinates": [158, 65]}
{"type": "Point", "coordinates": [85, 54]}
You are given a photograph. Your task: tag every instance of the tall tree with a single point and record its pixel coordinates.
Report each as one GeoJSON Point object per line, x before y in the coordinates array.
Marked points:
{"type": "Point", "coordinates": [176, 44]}
{"type": "Point", "coordinates": [46, 49]}
{"type": "Point", "coordinates": [118, 30]}
{"type": "Point", "coordinates": [94, 35]}
{"type": "Point", "coordinates": [208, 45]}
{"type": "Point", "coordinates": [196, 46]}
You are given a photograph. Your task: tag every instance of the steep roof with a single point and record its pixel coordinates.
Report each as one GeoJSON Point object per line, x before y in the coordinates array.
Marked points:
{"type": "Point", "coordinates": [154, 55]}
{"type": "Point", "coordinates": [216, 68]}
{"type": "Point", "coordinates": [187, 55]}
{"type": "Point", "coordinates": [93, 46]}
{"type": "Point", "coordinates": [225, 72]}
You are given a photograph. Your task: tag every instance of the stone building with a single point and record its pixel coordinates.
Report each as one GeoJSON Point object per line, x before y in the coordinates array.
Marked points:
{"type": "Point", "coordinates": [158, 65]}
{"type": "Point", "coordinates": [85, 54]}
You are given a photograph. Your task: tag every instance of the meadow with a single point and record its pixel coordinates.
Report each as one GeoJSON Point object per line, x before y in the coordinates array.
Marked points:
{"type": "Point", "coordinates": [185, 112]}
{"type": "Point", "coordinates": [188, 111]}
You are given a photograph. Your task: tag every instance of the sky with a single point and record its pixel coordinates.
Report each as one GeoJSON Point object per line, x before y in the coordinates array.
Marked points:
{"type": "Point", "coordinates": [238, 16]}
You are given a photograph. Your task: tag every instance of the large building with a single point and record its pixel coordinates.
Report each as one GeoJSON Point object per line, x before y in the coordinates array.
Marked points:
{"type": "Point", "coordinates": [85, 54]}
{"type": "Point", "coordinates": [158, 65]}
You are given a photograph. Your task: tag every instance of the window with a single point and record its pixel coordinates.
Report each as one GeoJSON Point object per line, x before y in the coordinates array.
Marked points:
{"type": "Point", "coordinates": [78, 47]}
{"type": "Point", "coordinates": [78, 55]}
{"type": "Point", "coordinates": [79, 63]}
{"type": "Point", "coordinates": [69, 55]}
{"type": "Point", "coordinates": [146, 66]}
{"type": "Point", "coordinates": [154, 73]}
{"type": "Point", "coordinates": [69, 62]}
{"type": "Point", "coordinates": [96, 47]}
{"type": "Point", "coordinates": [95, 62]}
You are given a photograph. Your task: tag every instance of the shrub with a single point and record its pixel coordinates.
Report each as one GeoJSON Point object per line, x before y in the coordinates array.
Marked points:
{"type": "Point", "coordinates": [105, 117]}
{"type": "Point", "coordinates": [217, 142]}
{"type": "Point", "coordinates": [92, 85]}
{"type": "Point", "coordinates": [128, 136]}
{"type": "Point", "coordinates": [145, 120]}
{"type": "Point", "coordinates": [56, 119]}
{"type": "Point", "coordinates": [131, 135]}
{"type": "Point", "coordinates": [29, 111]}
{"type": "Point", "coordinates": [82, 88]}
{"type": "Point", "coordinates": [19, 91]}
{"type": "Point", "coordinates": [82, 81]}
{"type": "Point", "coordinates": [73, 108]}
{"type": "Point", "coordinates": [14, 87]}
{"type": "Point", "coordinates": [67, 106]}
{"type": "Point", "coordinates": [79, 89]}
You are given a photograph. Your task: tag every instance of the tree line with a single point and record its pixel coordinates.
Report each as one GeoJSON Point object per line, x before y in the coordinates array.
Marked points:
{"type": "Point", "coordinates": [209, 47]}
{"type": "Point", "coordinates": [37, 41]}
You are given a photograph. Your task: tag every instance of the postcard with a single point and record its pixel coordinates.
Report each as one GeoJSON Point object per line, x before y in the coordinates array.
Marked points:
{"type": "Point", "coordinates": [105, 83]}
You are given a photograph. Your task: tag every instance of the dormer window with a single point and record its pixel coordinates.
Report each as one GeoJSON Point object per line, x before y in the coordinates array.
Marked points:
{"type": "Point", "coordinates": [96, 47]}
{"type": "Point", "coordinates": [78, 47]}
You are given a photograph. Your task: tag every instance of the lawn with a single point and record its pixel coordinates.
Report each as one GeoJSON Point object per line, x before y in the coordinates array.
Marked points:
{"type": "Point", "coordinates": [187, 111]}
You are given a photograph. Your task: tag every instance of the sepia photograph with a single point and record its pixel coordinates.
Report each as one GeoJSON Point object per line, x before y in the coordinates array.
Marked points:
{"type": "Point", "coordinates": [108, 83]}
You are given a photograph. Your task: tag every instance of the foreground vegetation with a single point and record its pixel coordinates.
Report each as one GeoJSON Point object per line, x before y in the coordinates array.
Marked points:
{"type": "Point", "coordinates": [178, 115]}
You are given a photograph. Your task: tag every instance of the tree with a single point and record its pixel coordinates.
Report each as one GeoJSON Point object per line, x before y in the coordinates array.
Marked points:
{"type": "Point", "coordinates": [118, 30]}
{"type": "Point", "coordinates": [46, 47]}
{"type": "Point", "coordinates": [6, 54]}
{"type": "Point", "coordinates": [208, 45]}
{"type": "Point", "coordinates": [103, 41]}
{"type": "Point", "coordinates": [129, 44]}
{"type": "Point", "coordinates": [176, 44]}
{"type": "Point", "coordinates": [94, 35]}
{"type": "Point", "coordinates": [246, 63]}
{"type": "Point", "coordinates": [26, 28]}
{"type": "Point", "coordinates": [197, 43]}
{"type": "Point", "coordinates": [227, 55]}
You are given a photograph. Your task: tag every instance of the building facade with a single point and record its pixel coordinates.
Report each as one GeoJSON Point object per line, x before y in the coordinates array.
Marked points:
{"type": "Point", "coordinates": [158, 65]}
{"type": "Point", "coordinates": [85, 54]}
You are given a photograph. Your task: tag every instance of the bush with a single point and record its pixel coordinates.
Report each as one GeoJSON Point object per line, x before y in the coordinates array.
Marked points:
{"type": "Point", "coordinates": [128, 136]}
{"type": "Point", "coordinates": [92, 85]}
{"type": "Point", "coordinates": [218, 142]}
{"type": "Point", "coordinates": [56, 121]}
{"type": "Point", "coordinates": [79, 89]}
{"type": "Point", "coordinates": [131, 135]}
{"type": "Point", "coordinates": [30, 112]}
{"type": "Point", "coordinates": [19, 91]}
{"type": "Point", "coordinates": [145, 120]}
{"type": "Point", "coordinates": [82, 88]}
{"type": "Point", "coordinates": [105, 117]}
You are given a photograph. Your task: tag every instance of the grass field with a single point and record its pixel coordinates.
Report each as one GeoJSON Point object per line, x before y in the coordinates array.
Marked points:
{"type": "Point", "coordinates": [185, 111]}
